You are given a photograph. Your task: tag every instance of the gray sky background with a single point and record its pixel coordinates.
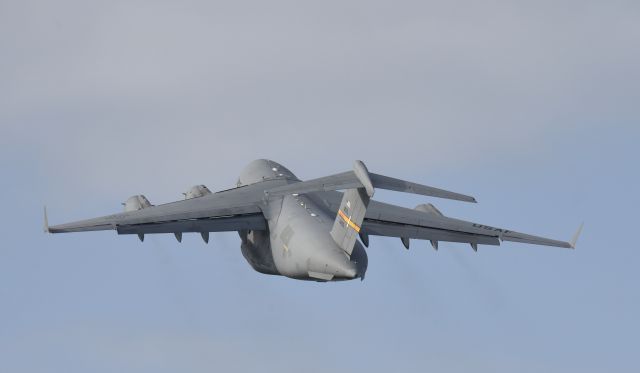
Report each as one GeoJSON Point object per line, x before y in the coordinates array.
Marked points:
{"type": "Point", "coordinates": [529, 106]}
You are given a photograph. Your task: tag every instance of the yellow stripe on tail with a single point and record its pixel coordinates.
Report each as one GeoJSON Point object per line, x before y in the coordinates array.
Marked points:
{"type": "Point", "coordinates": [347, 220]}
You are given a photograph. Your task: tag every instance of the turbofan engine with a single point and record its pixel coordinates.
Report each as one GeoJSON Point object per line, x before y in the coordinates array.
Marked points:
{"type": "Point", "coordinates": [197, 191]}
{"type": "Point", "coordinates": [429, 209]}
{"type": "Point", "coordinates": [136, 203]}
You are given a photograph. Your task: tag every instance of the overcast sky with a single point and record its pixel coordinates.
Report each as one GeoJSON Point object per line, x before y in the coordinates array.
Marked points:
{"type": "Point", "coordinates": [532, 107]}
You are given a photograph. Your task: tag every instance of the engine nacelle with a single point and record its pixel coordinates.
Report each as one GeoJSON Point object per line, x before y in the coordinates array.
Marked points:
{"type": "Point", "coordinates": [136, 203]}
{"type": "Point", "coordinates": [429, 209]}
{"type": "Point", "coordinates": [197, 191]}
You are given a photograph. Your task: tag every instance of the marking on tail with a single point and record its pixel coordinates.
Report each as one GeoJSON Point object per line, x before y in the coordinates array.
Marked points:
{"type": "Point", "coordinates": [347, 220]}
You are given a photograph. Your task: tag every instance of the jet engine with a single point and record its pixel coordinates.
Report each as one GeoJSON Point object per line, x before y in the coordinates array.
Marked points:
{"type": "Point", "coordinates": [429, 209]}
{"type": "Point", "coordinates": [136, 203]}
{"type": "Point", "coordinates": [196, 191]}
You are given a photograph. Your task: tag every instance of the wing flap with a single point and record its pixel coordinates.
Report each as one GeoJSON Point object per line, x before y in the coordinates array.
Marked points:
{"type": "Point", "coordinates": [389, 229]}
{"type": "Point", "coordinates": [222, 224]}
{"type": "Point", "coordinates": [345, 180]}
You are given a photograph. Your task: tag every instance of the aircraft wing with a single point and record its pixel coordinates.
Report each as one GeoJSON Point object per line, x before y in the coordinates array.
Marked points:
{"type": "Point", "coordinates": [230, 210]}
{"type": "Point", "coordinates": [383, 219]}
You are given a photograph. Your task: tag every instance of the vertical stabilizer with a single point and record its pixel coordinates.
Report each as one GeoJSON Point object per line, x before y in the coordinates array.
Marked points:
{"type": "Point", "coordinates": [352, 210]}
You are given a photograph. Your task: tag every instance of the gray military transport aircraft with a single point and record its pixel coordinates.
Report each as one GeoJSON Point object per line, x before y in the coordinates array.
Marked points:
{"type": "Point", "coordinates": [305, 230]}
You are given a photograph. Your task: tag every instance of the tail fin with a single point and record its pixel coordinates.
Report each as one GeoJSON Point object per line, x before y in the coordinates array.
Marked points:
{"type": "Point", "coordinates": [352, 210]}
{"type": "Point", "coordinates": [349, 220]}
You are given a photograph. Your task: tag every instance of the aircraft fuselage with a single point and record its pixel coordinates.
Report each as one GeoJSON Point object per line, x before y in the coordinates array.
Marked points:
{"type": "Point", "coordinates": [297, 243]}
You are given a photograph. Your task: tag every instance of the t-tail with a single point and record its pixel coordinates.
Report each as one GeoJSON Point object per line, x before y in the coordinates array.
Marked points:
{"type": "Point", "coordinates": [352, 210]}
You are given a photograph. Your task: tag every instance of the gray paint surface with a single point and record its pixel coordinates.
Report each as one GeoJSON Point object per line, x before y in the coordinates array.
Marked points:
{"type": "Point", "coordinates": [304, 230]}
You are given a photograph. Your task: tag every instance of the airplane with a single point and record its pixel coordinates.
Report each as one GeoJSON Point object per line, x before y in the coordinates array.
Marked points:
{"type": "Point", "coordinates": [304, 230]}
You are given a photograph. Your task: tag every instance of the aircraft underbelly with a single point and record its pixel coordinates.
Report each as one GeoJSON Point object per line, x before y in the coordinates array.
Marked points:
{"type": "Point", "coordinates": [302, 246]}
{"type": "Point", "coordinates": [256, 249]}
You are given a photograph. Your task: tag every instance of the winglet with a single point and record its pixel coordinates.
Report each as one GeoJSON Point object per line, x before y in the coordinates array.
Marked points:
{"type": "Point", "coordinates": [46, 221]}
{"type": "Point", "coordinates": [576, 236]}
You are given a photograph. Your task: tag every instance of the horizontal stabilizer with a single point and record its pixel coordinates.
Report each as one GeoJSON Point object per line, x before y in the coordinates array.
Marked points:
{"type": "Point", "coordinates": [359, 179]}
{"type": "Point", "coordinates": [345, 180]}
{"type": "Point", "coordinates": [389, 183]}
